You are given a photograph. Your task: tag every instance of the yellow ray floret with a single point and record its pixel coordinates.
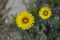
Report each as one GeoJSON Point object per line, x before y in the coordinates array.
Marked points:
{"type": "Point", "coordinates": [24, 20]}
{"type": "Point", "coordinates": [45, 12]}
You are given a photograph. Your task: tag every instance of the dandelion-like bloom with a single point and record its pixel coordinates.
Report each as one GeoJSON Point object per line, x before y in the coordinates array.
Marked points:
{"type": "Point", "coordinates": [45, 12]}
{"type": "Point", "coordinates": [24, 20]}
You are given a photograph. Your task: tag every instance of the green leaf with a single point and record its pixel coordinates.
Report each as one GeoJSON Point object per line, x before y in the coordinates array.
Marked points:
{"type": "Point", "coordinates": [52, 1]}
{"type": "Point", "coordinates": [28, 37]}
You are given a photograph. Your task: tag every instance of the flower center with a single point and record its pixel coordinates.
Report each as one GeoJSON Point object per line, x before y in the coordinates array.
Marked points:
{"type": "Point", "coordinates": [25, 20]}
{"type": "Point", "coordinates": [45, 13]}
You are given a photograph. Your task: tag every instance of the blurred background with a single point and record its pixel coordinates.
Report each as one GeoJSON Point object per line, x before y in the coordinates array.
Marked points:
{"type": "Point", "coordinates": [10, 8]}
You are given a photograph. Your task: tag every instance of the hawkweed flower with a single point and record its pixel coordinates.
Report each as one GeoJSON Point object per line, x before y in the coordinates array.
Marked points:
{"type": "Point", "coordinates": [24, 20]}
{"type": "Point", "coordinates": [45, 12]}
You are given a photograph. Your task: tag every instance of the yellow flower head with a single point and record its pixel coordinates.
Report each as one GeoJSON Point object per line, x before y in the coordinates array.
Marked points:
{"type": "Point", "coordinates": [45, 12]}
{"type": "Point", "coordinates": [24, 20]}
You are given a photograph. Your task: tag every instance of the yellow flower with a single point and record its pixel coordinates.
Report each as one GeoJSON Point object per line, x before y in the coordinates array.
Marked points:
{"type": "Point", "coordinates": [45, 12]}
{"type": "Point", "coordinates": [24, 20]}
